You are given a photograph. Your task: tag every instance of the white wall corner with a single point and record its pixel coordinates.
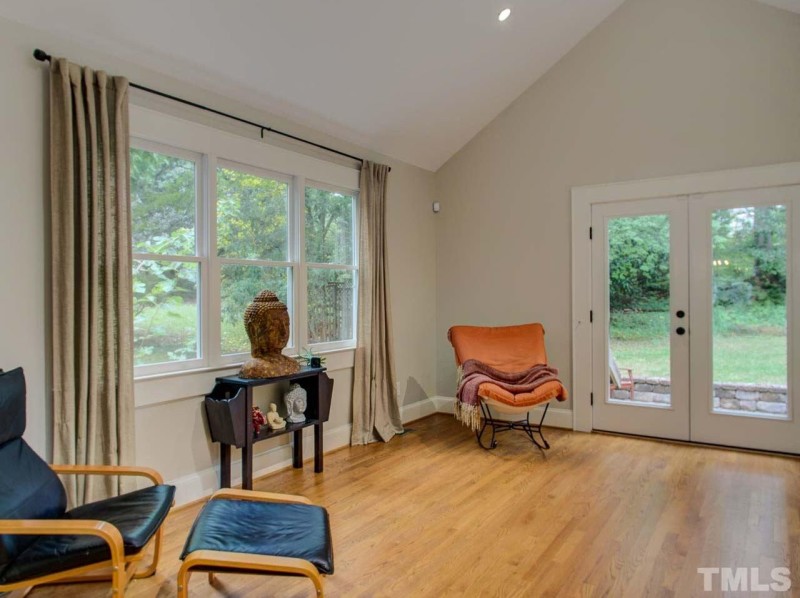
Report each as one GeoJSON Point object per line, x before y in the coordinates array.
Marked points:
{"type": "Point", "coordinates": [418, 410]}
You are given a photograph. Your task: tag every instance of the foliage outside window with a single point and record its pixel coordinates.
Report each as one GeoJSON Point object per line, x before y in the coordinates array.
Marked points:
{"type": "Point", "coordinates": [166, 268]}
{"type": "Point", "coordinates": [749, 282]}
{"type": "Point", "coordinates": [252, 247]}
{"type": "Point", "coordinates": [329, 234]}
{"type": "Point", "coordinates": [200, 258]}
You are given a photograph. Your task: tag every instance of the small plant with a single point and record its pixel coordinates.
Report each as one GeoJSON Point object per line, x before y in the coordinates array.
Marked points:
{"type": "Point", "coordinates": [307, 356]}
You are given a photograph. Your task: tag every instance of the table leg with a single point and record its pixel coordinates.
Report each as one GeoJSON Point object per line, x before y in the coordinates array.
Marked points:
{"type": "Point", "coordinates": [297, 449]}
{"type": "Point", "coordinates": [247, 449]}
{"type": "Point", "coordinates": [318, 464]}
{"type": "Point", "coordinates": [224, 465]}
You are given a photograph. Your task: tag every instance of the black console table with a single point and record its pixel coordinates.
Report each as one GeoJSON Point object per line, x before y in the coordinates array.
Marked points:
{"type": "Point", "coordinates": [229, 409]}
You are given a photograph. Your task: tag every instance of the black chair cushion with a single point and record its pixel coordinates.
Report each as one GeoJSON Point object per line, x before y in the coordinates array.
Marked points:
{"type": "Point", "coordinates": [12, 405]}
{"type": "Point", "coordinates": [137, 515]}
{"type": "Point", "coordinates": [28, 487]}
{"type": "Point", "coordinates": [267, 528]}
{"type": "Point", "coordinates": [28, 490]}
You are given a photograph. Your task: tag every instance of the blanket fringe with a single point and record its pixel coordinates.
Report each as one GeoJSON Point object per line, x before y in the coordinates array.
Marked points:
{"type": "Point", "coordinates": [469, 415]}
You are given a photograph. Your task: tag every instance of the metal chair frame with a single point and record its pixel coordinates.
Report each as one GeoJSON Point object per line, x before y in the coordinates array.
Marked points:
{"type": "Point", "coordinates": [502, 425]}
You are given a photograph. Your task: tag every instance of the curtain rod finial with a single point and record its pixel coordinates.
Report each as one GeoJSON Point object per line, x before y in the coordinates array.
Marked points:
{"type": "Point", "coordinates": [41, 55]}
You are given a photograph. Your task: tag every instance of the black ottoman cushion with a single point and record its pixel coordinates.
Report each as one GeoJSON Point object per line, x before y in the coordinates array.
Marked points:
{"type": "Point", "coordinates": [266, 528]}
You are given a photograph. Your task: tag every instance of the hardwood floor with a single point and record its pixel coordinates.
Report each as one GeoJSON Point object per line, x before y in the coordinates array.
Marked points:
{"type": "Point", "coordinates": [432, 514]}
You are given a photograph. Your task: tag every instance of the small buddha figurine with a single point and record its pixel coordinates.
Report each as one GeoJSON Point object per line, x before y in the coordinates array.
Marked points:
{"type": "Point", "coordinates": [296, 401]}
{"type": "Point", "coordinates": [266, 320]}
{"type": "Point", "coordinates": [274, 420]}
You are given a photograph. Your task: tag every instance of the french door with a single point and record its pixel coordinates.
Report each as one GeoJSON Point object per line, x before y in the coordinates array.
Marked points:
{"type": "Point", "coordinates": [696, 321]}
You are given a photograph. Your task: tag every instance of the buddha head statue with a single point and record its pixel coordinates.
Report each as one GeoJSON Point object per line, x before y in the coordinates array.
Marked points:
{"type": "Point", "coordinates": [266, 320]}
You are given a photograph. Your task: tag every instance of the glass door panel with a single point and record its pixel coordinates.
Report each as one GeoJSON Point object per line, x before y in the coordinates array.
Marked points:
{"type": "Point", "coordinates": [744, 277]}
{"type": "Point", "coordinates": [749, 324]}
{"type": "Point", "coordinates": [640, 299]}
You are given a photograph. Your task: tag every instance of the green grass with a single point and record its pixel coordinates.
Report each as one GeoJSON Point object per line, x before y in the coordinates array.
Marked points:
{"type": "Point", "coordinates": [749, 345]}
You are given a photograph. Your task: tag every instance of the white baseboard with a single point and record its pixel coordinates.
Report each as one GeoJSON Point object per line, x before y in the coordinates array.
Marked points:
{"type": "Point", "coordinates": [556, 417]}
{"type": "Point", "coordinates": [203, 483]}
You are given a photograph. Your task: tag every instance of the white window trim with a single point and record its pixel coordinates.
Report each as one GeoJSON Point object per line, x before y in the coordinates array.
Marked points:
{"type": "Point", "coordinates": [156, 131]}
{"type": "Point", "coordinates": [167, 387]}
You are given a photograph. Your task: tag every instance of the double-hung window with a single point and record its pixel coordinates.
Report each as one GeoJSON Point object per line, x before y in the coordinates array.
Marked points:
{"type": "Point", "coordinates": [330, 264]}
{"type": "Point", "coordinates": [252, 246]}
{"type": "Point", "coordinates": [166, 187]}
{"type": "Point", "coordinates": [214, 223]}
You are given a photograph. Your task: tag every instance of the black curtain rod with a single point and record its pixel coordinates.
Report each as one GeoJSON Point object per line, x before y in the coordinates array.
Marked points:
{"type": "Point", "coordinates": [43, 56]}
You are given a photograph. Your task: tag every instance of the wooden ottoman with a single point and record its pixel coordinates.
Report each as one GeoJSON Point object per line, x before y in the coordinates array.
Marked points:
{"type": "Point", "coordinates": [243, 531]}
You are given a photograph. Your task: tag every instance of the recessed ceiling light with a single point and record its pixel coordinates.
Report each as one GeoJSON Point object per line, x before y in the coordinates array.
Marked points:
{"type": "Point", "coordinates": [504, 14]}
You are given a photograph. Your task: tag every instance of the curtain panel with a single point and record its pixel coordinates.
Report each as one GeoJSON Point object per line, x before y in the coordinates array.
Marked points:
{"type": "Point", "coordinates": [376, 410]}
{"type": "Point", "coordinates": [92, 342]}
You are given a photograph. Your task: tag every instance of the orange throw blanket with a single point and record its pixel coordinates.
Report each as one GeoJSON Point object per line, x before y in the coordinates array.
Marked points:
{"type": "Point", "coordinates": [474, 373]}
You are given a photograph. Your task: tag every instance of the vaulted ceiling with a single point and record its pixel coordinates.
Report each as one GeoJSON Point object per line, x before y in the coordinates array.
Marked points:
{"type": "Point", "coordinates": [412, 79]}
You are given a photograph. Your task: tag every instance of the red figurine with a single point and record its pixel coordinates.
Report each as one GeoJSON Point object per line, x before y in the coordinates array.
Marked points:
{"type": "Point", "coordinates": [258, 419]}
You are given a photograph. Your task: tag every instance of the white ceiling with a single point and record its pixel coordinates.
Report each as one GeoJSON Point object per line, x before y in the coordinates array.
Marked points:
{"type": "Point", "coordinates": [412, 79]}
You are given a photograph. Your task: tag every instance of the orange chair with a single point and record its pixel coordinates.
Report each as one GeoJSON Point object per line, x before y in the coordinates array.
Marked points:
{"type": "Point", "coordinates": [509, 349]}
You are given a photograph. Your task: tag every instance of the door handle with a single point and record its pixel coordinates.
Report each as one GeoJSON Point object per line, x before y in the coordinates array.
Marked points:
{"type": "Point", "coordinates": [680, 330]}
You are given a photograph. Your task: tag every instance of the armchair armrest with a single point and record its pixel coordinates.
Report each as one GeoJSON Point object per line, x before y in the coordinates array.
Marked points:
{"type": "Point", "coordinates": [254, 495]}
{"type": "Point", "coordinates": [69, 527]}
{"type": "Point", "coordinates": [125, 470]}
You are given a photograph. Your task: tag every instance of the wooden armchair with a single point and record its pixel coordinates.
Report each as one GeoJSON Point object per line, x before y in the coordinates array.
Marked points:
{"type": "Point", "coordinates": [617, 382]}
{"type": "Point", "coordinates": [41, 542]}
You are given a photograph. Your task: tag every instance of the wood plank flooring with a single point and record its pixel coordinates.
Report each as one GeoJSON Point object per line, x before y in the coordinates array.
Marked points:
{"type": "Point", "coordinates": [432, 514]}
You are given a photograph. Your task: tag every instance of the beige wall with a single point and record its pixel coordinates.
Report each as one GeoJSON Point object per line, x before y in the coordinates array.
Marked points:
{"type": "Point", "coordinates": [659, 88]}
{"type": "Point", "coordinates": [662, 87]}
{"type": "Point", "coordinates": [170, 435]}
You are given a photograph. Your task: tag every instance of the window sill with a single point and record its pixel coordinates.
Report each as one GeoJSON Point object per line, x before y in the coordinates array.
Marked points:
{"type": "Point", "coordinates": [175, 386]}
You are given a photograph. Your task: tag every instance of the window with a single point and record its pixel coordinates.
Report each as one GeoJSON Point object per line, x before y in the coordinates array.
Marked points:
{"type": "Point", "coordinates": [213, 225]}
{"type": "Point", "coordinates": [330, 257]}
{"type": "Point", "coordinates": [252, 246]}
{"type": "Point", "coordinates": [166, 265]}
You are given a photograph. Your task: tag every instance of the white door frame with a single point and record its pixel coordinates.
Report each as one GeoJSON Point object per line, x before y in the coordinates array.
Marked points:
{"type": "Point", "coordinates": [582, 199]}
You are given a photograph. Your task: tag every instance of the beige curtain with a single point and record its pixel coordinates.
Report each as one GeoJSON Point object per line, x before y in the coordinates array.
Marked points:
{"type": "Point", "coordinates": [376, 412]}
{"type": "Point", "coordinates": [91, 274]}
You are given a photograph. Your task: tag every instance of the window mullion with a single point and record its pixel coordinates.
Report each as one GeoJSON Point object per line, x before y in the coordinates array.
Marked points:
{"type": "Point", "coordinates": [331, 266]}
{"type": "Point", "coordinates": [235, 261]}
{"type": "Point", "coordinates": [211, 315]}
{"type": "Point", "coordinates": [300, 272]}
{"type": "Point", "coordinates": [165, 257]}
